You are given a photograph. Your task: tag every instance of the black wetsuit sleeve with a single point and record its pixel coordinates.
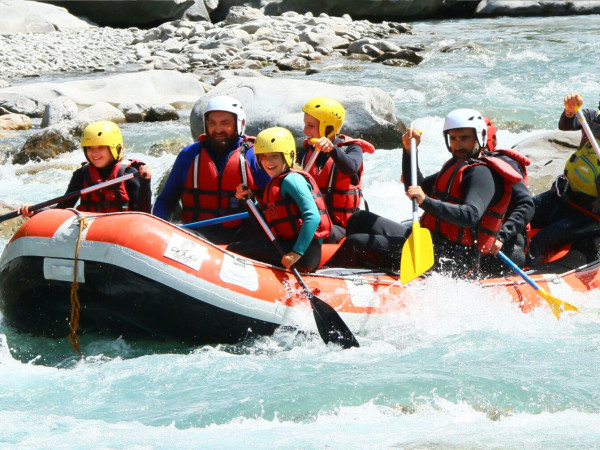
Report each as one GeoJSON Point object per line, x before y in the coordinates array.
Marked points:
{"type": "Point", "coordinates": [521, 208]}
{"type": "Point", "coordinates": [75, 184]}
{"type": "Point", "coordinates": [479, 190]}
{"type": "Point", "coordinates": [139, 192]}
{"type": "Point", "coordinates": [572, 123]}
{"type": "Point", "coordinates": [347, 159]}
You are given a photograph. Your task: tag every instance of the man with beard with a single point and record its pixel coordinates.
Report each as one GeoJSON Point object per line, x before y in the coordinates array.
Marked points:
{"type": "Point", "coordinates": [205, 174]}
{"type": "Point", "coordinates": [464, 204]}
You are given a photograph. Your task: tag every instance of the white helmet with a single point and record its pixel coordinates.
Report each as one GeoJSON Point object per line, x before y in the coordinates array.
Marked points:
{"type": "Point", "coordinates": [466, 118]}
{"type": "Point", "coordinates": [227, 104]}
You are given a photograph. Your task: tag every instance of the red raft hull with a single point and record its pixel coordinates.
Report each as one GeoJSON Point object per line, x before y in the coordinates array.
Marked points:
{"type": "Point", "coordinates": [139, 276]}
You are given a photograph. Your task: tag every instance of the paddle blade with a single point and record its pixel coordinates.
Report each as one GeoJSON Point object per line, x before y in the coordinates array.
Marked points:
{"type": "Point", "coordinates": [330, 325]}
{"type": "Point", "coordinates": [417, 254]}
{"type": "Point", "coordinates": [557, 306]}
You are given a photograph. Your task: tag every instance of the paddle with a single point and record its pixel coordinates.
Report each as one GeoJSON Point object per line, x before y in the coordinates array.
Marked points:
{"type": "Point", "coordinates": [588, 131]}
{"type": "Point", "coordinates": [329, 323]}
{"type": "Point", "coordinates": [216, 220]}
{"type": "Point", "coordinates": [417, 252]}
{"type": "Point", "coordinates": [70, 195]}
{"type": "Point", "coordinates": [556, 305]}
{"type": "Point", "coordinates": [313, 157]}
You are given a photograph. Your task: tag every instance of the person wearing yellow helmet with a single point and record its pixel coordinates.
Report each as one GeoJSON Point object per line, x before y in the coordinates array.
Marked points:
{"type": "Point", "coordinates": [292, 203]}
{"type": "Point", "coordinates": [334, 160]}
{"type": "Point", "coordinates": [102, 144]}
{"type": "Point", "coordinates": [570, 209]}
{"type": "Point", "coordinates": [206, 173]}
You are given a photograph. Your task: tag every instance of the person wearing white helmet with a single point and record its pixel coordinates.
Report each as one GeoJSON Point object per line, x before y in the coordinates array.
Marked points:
{"type": "Point", "coordinates": [464, 204]}
{"type": "Point", "coordinates": [206, 173]}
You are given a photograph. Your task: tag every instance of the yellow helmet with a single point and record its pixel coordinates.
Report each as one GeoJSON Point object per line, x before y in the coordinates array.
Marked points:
{"type": "Point", "coordinates": [328, 112]}
{"type": "Point", "coordinates": [106, 133]}
{"type": "Point", "coordinates": [276, 140]}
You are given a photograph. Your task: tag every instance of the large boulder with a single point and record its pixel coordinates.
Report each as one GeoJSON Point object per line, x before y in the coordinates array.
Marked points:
{"type": "Point", "coordinates": [519, 8]}
{"type": "Point", "coordinates": [548, 153]}
{"type": "Point", "coordinates": [64, 137]}
{"type": "Point", "coordinates": [126, 13]}
{"type": "Point", "coordinates": [373, 9]}
{"type": "Point", "coordinates": [20, 16]}
{"type": "Point", "coordinates": [154, 87]}
{"type": "Point", "coordinates": [370, 112]}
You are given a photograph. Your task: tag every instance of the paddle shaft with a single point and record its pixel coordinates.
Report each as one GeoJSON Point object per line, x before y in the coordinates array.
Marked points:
{"type": "Point", "coordinates": [517, 269]}
{"type": "Point", "coordinates": [413, 176]}
{"type": "Point", "coordinates": [330, 325]}
{"type": "Point", "coordinates": [588, 131]}
{"type": "Point", "coordinates": [313, 157]}
{"type": "Point", "coordinates": [216, 220]}
{"type": "Point", "coordinates": [70, 195]}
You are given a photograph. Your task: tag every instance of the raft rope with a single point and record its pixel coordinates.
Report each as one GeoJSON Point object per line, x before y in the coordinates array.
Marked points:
{"type": "Point", "coordinates": [75, 303]}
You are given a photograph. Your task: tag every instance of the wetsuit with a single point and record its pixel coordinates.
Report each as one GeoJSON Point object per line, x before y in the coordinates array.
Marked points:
{"type": "Point", "coordinates": [572, 215]}
{"type": "Point", "coordinates": [377, 242]}
{"type": "Point", "coordinates": [296, 188]}
{"type": "Point", "coordinates": [168, 200]}
{"type": "Point", "coordinates": [513, 233]}
{"type": "Point", "coordinates": [348, 160]}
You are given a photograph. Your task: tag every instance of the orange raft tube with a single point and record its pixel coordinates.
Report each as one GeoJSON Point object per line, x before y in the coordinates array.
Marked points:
{"type": "Point", "coordinates": [139, 276]}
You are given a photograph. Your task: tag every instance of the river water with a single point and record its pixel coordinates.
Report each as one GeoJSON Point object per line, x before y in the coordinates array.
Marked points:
{"type": "Point", "coordinates": [461, 368]}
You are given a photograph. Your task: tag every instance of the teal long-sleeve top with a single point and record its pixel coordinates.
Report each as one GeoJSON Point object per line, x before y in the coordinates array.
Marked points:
{"type": "Point", "coordinates": [296, 187]}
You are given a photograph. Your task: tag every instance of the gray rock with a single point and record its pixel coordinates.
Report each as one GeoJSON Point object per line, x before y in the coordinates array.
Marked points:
{"type": "Point", "coordinates": [225, 74]}
{"type": "Point", "coordinates": [162, 113]}
{"type": "Point", "coordinates": [21, 104]}
{"type": "Point", "coordinates": [404, 58]}
{"type": "Point", "coordinates": [548, 153]}
{"type": "Point", "coordinates": [101, 111]}
{"type": "Point", "coordinates": [125, 13]}
{"type": "Point", "coordinates": [242, 14]}
{"type": "Point", "coordinates": [51, 142]}
{"type": "Point", "coordinates": [370, 112]}
{"type": "Point", "coordinates": [19, 16]}
{"type": "Point", "coordinates": [153, 87]}
{"type": "Point", "coordinates": [519, 8]}
{"type": "Point", "coordinates": [134, 112]}
{"type": "Point", "coordinates": [295, 63]}
{"type": "Point", "coordinates": [58, 110]}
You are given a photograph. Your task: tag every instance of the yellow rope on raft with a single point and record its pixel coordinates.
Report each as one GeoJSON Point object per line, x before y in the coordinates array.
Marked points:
{"type": "Point", "coordinates": [75, 304]}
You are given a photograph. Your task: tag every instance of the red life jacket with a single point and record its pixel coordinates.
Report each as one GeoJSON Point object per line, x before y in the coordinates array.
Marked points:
{"type": "Point", "coordinates": [519, 157]}
{"type": "Point", "coordinates": [342, 196]}
{"type": "Point", "coordinates": [208, 194]}
{"type": "Point", "coordinates": [448, 188]}
{"type": "Point", "coordinates": [283, 215]}
{"type": "Point", "coordinates": [109, 199]}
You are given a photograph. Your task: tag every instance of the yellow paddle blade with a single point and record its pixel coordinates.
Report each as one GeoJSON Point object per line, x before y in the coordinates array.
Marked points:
{"type": "Point", "coordinates": [417, 254]}
{"type": "Point", "coordinates": [557, 306]}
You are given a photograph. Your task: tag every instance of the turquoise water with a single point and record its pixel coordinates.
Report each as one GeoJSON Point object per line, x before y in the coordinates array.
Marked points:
{"type": "Point", "coordinates": [461, 368]}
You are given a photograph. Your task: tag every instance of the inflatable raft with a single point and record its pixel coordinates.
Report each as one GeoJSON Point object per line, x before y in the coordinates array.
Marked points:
{"type": "Point", "coordinates": [139, 276]}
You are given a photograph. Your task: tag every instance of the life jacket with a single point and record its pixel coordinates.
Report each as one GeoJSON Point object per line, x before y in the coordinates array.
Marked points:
{"type": "Point", "coordinates": [523, 162]}
{"type": "Point", "coordinates": [342, 192]}
{"type": "Point", "coordinates": [519, 158]}
{"type": "Point", "coordinates": [111, 198]}
{"type": "Point", "coordinates": [282, 213]}
{"type": "Point", "coordinates": [207, 193]}
{"type": "Point", "coordinates": [582, 170]}
{"type": "Point", "coordinates": [448, 188]}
